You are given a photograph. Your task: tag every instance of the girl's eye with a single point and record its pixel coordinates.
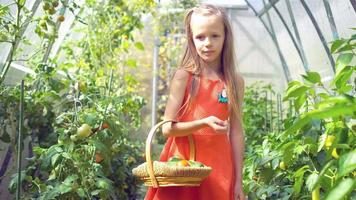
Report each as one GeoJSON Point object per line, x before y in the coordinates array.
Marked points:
{"type": "Point", "coordinates": [199, 37]}
{"type": "Point", "coordinates": [216, 36]}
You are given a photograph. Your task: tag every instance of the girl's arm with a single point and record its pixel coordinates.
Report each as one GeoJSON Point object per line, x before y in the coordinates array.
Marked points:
{"type": "Point", "coordinates": [175, 100]}
{"type": "Point", "coordinates": [237, 135]}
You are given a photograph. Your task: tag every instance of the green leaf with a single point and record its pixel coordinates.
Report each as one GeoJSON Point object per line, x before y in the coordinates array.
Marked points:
{"type": "Point", "coordinates": [139, 46]}
{"type": "Point", "coordinates": [343, 60]}
{"type": "Point", "coordinates": [342, 99]}
{"type": "Point", "coordinates": [336, 44]}
{"type": "Point", "coordinates": [295, 91]}
{"type": "Point", "coordinates": [287, 150]}
{"type": "Point", "coordinates": [326, 167]}
{"type": "Point", "coordinates": [266, 174]}
{"type": "Point", "coordinates": [299, 174]}
{"type": "Point", "coordinates": [322, 113]}
{"type": "Point", "coordinates": [131, 63]}
{"type": "Point", "coordinates": [342, 146]}
{"type": "Point", "coordinates": [347, 163]}
{"type": "Point", "coordinates": [38, 150]}
{"type": "Point", "coordinates": [104, 183]}
{"type": "Point", "coordinates": [96, 192]}
{"type": "Point", "coordinates": [70, 179]}
{"type": "Point", "coordinates": [81, 192]}
{"type": "Point", "coordinates": [344, 89]}
{"type": "Point", "coordinates": [312, 181]}
{"type": "Point", "coordinates": [347, 47]}
{"type": "Point", "coordinates": [52, 175]}
{"type": "Point", "coordinates": [5, 137]}
{"type": "Point", "coordinates": [125, 45]}
{"type": "Point", "coordinates": [341, 77]}
{"type": "Point", "coordinates": [341, 189]}
{"type": "Point", "coordinates": [67, 155]}
{"type": "Point", "coordinates": [292, 83]}
{"type": "Point", "coordinates": [14, 181]}
{"type": "Point", "coordinates": [323, 95]}
{"type": "Point", "coordinates": [312, 77]}
{"type": "Point", "coordinates": [101, 147]}
{"type": "Point", "coordinates": [47, 156]}
{"type": "Point", "coordinates": [300, 101]}
{"type": "Point", "coordinates": [51, 192]}
{"type": "Point", "coordinates": [353, 36]}
{"type": "Point", "coordinates": [64, 188]}
{"type": "Point", "coordinates": [321, 142]}
{"type": "Point", "coordinates": [55, 159]}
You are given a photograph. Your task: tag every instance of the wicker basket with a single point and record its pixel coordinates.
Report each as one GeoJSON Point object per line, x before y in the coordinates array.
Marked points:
{"type": "Point", "coordinates": [159, 174]}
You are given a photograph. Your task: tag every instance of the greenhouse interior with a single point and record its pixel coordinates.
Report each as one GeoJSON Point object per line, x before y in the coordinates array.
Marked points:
{"type": "Point", "coordinates": [82, 83]}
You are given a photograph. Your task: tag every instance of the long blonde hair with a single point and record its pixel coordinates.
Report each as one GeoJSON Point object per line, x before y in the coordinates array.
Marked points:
{"type": "Point", "coordinates": [192, 62]}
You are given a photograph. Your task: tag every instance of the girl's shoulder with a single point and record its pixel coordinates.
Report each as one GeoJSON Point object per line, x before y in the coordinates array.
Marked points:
{"type": "Point", "coordinates": [181, 75]}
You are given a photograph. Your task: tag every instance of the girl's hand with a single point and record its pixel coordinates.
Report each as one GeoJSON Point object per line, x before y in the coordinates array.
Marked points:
{"type": "Point", "coordinates": [217, 124]}
{"type": "Point", "coordinates": [239, 193]}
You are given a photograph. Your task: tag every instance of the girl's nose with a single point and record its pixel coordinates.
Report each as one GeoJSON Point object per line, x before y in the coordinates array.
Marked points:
{"type": "Point", "coordinates": [208, 41]}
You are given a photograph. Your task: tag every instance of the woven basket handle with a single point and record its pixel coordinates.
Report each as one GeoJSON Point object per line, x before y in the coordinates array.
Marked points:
{"type": "Point", "coordinates": [148, 150]}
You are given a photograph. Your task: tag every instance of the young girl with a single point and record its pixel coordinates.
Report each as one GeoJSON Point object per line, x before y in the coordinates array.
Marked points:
{"type": "Point", "coordinates": [205, 99]}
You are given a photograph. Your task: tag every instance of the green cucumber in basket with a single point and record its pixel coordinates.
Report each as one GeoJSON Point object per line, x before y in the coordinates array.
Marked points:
{"type": "Point", "coordinates": [195, 163]}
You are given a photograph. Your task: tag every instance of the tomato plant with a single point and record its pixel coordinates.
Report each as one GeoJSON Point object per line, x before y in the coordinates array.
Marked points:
{"type": "Point", "coordinates": [71, 157]}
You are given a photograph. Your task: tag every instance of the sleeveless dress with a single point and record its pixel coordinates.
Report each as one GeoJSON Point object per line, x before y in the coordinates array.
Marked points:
{"type": "Point", "coordinates": [212, 149]}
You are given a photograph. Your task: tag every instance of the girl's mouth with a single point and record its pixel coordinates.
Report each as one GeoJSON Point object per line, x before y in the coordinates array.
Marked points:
{"type": "Point", "coordinates": [208, 52]}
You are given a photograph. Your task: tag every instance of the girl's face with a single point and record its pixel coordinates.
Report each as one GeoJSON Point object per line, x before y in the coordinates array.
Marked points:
{"type": "Point", "coordinates": [208, 37]}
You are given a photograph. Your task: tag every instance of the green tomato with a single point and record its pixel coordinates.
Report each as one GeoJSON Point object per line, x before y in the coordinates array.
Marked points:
{"type": "Point", "coordinates": [43, 23]}
{"type": "Point", "coordinates": [82, 86]}
{"type": "Point", "coordinates": [282, 165]}
{"type": "Point", "coordinates": [55, 4]}
{"type": "Point", "coordinates": [84, 131]}
{"type": "Point", "coordinates": [73, 138]}
{"type": "Point", "coordinates": [51, 11]}
{"type": "Point", "coordinates": [45, 17]}
{"type": "Point", "coordinates": [46, 6]}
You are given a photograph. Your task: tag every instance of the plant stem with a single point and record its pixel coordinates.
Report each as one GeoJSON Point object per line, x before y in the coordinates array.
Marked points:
{"type": "Point", "coordinates": [13, 43]}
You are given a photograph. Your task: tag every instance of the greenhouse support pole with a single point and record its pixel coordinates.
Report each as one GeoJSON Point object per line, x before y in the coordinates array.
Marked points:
{"type": "Point", "coordinates": [297, 36]}
{"type": "Point", "coordinates": [19, 142]}
{"type": "Point", "coordinates": [155, 75]}
{"type": "Point", "coordinates": [266, 108]}
{"type": "Point", "coordinates": [154, 81]}
{"type": "Point", "coordinates": [267, 7]}
{"type": "Point", "coordinates": [297, 47]}
{"type": "Point", "coordinates": [329, 13]}
{"type": "Point", "coordinates": [284, 63]}
{"type": "Point", "coordinates": [320, 34]}
{"type": "Point", "coordinates": [278, 113]}
{"type": "Point", "coordinates": [271, 110]}
{"type": "Point", "coordinates": [274, 39]}
{"type": "Point", "coordinates": [353, 3]}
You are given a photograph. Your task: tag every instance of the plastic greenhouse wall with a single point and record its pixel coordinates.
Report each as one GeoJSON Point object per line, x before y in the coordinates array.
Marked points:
{"type": "Point", "coordinates": [257, 55]}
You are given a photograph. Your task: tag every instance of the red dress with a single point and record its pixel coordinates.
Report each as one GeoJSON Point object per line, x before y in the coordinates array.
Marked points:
{"type": "Point", "coordinates": [212, 149]}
